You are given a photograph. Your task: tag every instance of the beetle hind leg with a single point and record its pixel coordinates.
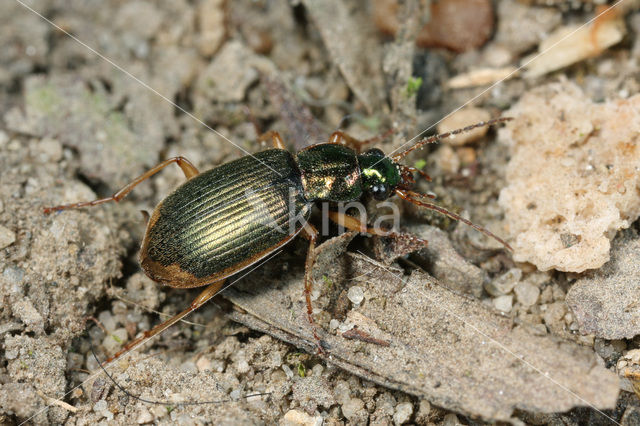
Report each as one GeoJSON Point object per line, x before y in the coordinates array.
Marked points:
{"type": "Point", "coordinates": [202, 298]}
{"type": "Point", "coordinates": [185, 165]}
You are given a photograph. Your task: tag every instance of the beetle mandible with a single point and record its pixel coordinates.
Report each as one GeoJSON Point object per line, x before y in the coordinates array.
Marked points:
{"type": "Point", "coordinates": [213, 226]}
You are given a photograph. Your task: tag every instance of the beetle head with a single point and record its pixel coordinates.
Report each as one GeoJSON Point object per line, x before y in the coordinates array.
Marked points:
{"type": "Point", "coordinates": [380, 174]}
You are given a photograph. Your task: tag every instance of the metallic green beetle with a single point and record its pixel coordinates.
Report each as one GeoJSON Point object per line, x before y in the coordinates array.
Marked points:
{"type": "Point", "coordinates": [222, 221]}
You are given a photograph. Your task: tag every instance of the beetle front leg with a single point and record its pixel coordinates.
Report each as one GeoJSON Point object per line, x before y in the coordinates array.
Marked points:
{"type": "Point", "coordinates": [311, 233]}
{"type": "Point", "coordinates": [354, 224]}
{"type": "Point", "coordinates": [357, 144]}
{"type": "Point", "coordinates": [185, 165]}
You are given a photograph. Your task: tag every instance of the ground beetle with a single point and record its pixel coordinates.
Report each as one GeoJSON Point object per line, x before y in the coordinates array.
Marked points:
{"type": "Point", "coordinates": [222, 221]}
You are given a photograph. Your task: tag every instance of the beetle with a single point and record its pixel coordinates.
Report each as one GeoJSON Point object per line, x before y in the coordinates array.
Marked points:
{"type": "Point", "coordinates": [224, 220]}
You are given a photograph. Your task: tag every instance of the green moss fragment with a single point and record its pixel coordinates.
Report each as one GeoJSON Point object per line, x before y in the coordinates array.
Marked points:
{"type": "Point", "coordinates": [413, 85]}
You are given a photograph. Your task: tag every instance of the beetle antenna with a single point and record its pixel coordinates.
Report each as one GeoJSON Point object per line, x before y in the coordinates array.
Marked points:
{"type": "Point", "coordinates": [411, 196]}
{"type": "Point", "coordinates": [438, 137]}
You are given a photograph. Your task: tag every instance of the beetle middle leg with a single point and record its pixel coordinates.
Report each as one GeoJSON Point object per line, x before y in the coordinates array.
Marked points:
{"type": "Point", "coordinates": [187, 167]}
{"type": "Point", "coordinates": [311, 233]}
{"type": "Point", "coordinates": [202, 298]}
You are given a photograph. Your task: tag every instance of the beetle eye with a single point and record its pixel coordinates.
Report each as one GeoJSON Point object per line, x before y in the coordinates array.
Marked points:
{"type": "Point", "coordinates": [380, 192]}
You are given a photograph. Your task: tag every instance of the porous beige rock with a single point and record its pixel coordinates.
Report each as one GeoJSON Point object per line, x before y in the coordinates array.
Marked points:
{"type": "Point", "coordinates": [573, 176]}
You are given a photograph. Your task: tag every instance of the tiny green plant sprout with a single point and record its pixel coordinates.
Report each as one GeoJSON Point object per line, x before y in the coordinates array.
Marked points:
{"type": "Point", "coordinates": [224, 220]}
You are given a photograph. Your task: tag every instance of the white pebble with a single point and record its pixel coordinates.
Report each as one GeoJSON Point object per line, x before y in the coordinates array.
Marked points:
{"type": "Point", "coordinates": [504, 283]}
{"type": "Point", "coordinates": [297, 417]}
{"type": "Point", "coordinates": [203, 364]}
{"type": "Point", "coordinates": [334, 323]}
{"type": "Point", "coordinates": [527, 294]}
{"type": "Point", "coordinates": [100, 406]}
{"type": "Point", "coordinates": [356, 295]}
{"type": "Point", "coordinates": [503, 303]}
{"type": "Point", "coordinates": [107, 320]}
{"type": "Point", "coordinates": [287, 371]}
{"type": "Point", "coordinates": [7, 237]}
{"type": "Point", "coordinates": [242, 366]}
{"type": "Point", "coordinates": [403, 413]}
{"type": "Point", "coordinates": [144, 417]}
{"type": "Point", "coordinates": [115, 340]}
{"type": "Point", "coordinates": [50, 150]}
{"type": "Point", "coordinates": [351, 407]}
{"type": "Point", "coordinates": [451, 420]}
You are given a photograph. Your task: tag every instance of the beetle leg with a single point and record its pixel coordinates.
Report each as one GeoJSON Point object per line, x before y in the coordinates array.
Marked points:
{"type": "Point", "coordinates": [202, 298]}
{"type": "Point", "coordinates": [275, 137]}
{"type": "Point", "coordinates": [346, 140]}
{"type": "Point", "coordinates": [311, 233]}
{"type": "Point", "coordinates": [187, 167]}
{"type": "Point", "coordinates": [354, 224]}
{"type": "Point", "coordinates": [357, 144]}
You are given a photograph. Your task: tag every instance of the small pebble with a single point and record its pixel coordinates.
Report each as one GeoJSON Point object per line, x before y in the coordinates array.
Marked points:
{"type": "Point", "coordinates": [451, 420]}
{"type": "Point", "coordinates": [242, 366]}
{"type": "Point", "coordinates": [107, 320]}
{"type": "Point", "coordinates": [503, 303]}
{"type": "Point", "coordinates": [462, 118]}
{"type": "Point", "coordinates": [352, 407]}
{"type": "Point", "coordinates": [287, 371]}
{"type": "Point", "coordinates": [13, 274]}
{"type": "Point", "coordinates": [342, 392]}
{"type": "Point", "coordinates": [7, 237]}
{"type": "Point", "coordinates": [554, 314]}
{"type": "Point", "coordinates": [203, 364]}
{"type": "Point", "coordinates": [527, 294]}
{"type": "Point", "coordinates": [158, 411]}
{"type": "Point", "coordinates": [423, 411]}
{"type": "Point", "coordinates": [50, 150]}
{"type": "Point", "coordinates": [144, 417]}
{"type": "Point", "coordinates": [503, 284]}
{"type": "Point", "coordinates": [100, 406]}
{"type": "Point", "coordinates": [497, 56]}
{"type": "Point", "coordinates": [297, 417]}
{"type": "Point", "coordinates": [633, 355]}
{"type": "Point", "coordinates": [115, 340]}
{"type": "Point", "coordinates": [403, 413]}
{"type": "Point", "coordinates": [356, 295]}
